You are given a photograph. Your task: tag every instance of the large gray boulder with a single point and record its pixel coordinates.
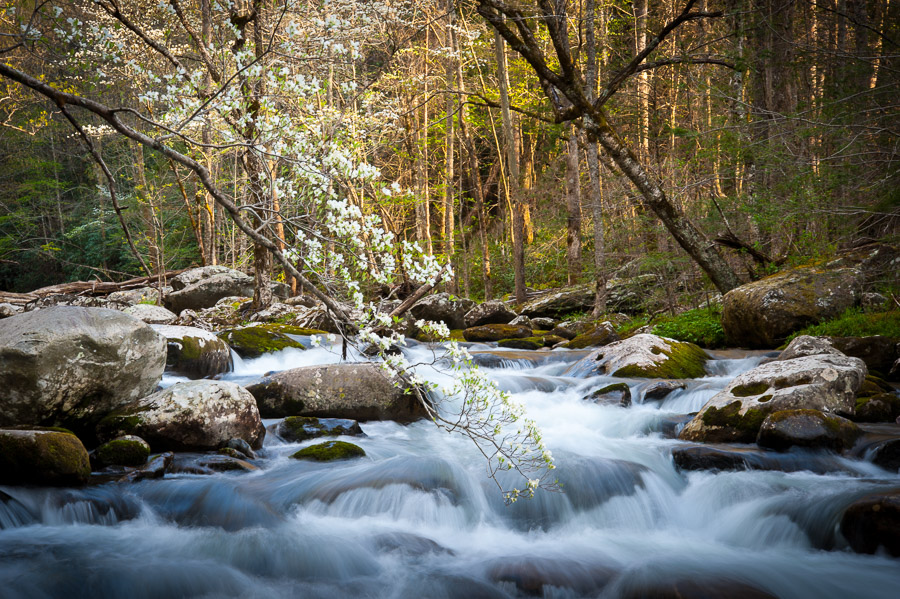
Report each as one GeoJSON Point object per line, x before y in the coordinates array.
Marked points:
{"type": "Point", "coordinates": [42, 457]}
{"type": "Point", "coordinates": [560, 302]}
{"type": "Point", "coordinates": [824, 382]}
{"type": "Point", "coordinates": [644, 356]}
{"type": "Point", "coordinates": [147, 295]}
{"type": "Point", "coordinates": [151, 314]}
{"type": "Point", "coordinates": [807, 428]}
{"type": "Point", "coordinates": [71, 366]}
{"type": "Point", "coordinates": [190, 416]}
{"type": "Point", "coordinates": [201, 288]}
{"type": "Point", "coordinates": [357, 391]}
{"type": "Point", "coordinates": [193, 352]}
{"type": "Point", "coordinates": [443, 307]}
{"type": "Point", "coordinates": [490, 312]}
{"type": "Point", "coordinates": [763, 313]}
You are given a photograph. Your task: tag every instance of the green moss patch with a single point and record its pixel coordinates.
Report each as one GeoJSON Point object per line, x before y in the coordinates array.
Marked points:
{"type": "Point", "coordinates": [526, 343]}
{"type": "Point", "coordinates": [596, 336]}
{"type": "Point", "coordinates": [684, 361]}
{"type": "Point", "coordinates": [750, 390]}
{"type": "Point", "coordinates": [702, 327]}
{"type": "Point", "coordinates": [43, 458]}
{"type": "Point", "coordinates": [254, 341]}
{"type": "Point", "coordinates": [496, 332]}
{"type": "Point", "coordinates": [330, 451]}
{"type": "Point", "coordinates": [123, 452]}
{"type": "Point", "coordinates": [745, 426]}
{"type": "Point", "coordinates": [856, 322]}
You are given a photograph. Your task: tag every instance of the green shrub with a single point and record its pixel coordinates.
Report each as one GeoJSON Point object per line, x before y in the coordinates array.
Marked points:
{"type": "Point", "coordinates": [702, 327]}
{"type": "Point", "coordinates": [856, 322]}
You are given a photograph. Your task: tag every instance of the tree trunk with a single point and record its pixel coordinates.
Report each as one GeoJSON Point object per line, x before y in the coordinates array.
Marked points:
{"type": "Point", "coordinates": [573, 208]}
{"type": "Point", "coordinates": [593, 160]}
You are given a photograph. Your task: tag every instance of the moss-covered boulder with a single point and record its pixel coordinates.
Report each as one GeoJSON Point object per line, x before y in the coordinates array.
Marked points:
{"type": "Point", "coordinates": [644, 356]}
{"type": "Point", "coordinates": [359, 391]}
{"type": "Point", "coordinates": [329, 452]}
{"type": "Point", "coordinates": [127, 450]}
{"type": "Point", "coordinates": [878, 352]}
{"type": "Point", "coordinates": [257, 339]}
{"type": "Point", "coordinates": [882, 407]}
{"type": "Point", "coordinates": [194, 415]}
{"type": "Point", "coordinates": [763, 313]}
{"type": "Point", "coordinates": [599, 335]}
{"type": "Point", "coordinates": [873, 522]}
{"type": "Point", "coordinates": [71, 366]}
{"type": "Point", "coordinates": [42, 457]}
{"type": "Point", "coordinates": [806, 428]}
{"type": "Point", "coordinates": [194, 352]}
{"type": "Point", "coordinates": [536, 342]}
{"type": "Point", "coordinates": [496, 332]}
{"type": "Point", "coordinates": [490, 312]}
{"type": "Point", "coordinates": [301, 428]}
{"type": "Point", "coordinates": [618, 394]}
{"type": "Point", "coordinates": [200, 288]}
{"type": "Point", "coordinates": [824, 382]}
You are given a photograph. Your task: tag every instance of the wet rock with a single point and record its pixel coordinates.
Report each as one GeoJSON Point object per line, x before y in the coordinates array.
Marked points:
{"type": "Point", "coordinates": [496, 332]}
{"type": "Point", "coordinates": [255, 340]}
{"type": "Point", "coordinates": [659, 390]}
{"type": "Point", "coordinates": [195, 415]}
{"type": "Point", "coordinates": [142, 295]}
{"type": "Point", "coordinates": [127, 450]}
{"type": "Point", "coordinates": [873, 522]}
{"type": "Point", "coordinates": [557, 303]}
{"type": "Point", "coordinates": [806, 428]}
{"type": "Point", "coordinates": [71, 366]}
{"type": "Point", "coordinates": [301, 428]}
{"type": "Point", "coordinates": [42, 457]}
{"type": "Point", "coordinates": [882, 407]}
{"type": "Point", "coordinates": [240, 446]}
{"type": "Point", "coordinates": [615, 394]}
{"type": "Point", "coordinates": [151, 314]}
{"type": "Point", "coordinates": [823, 382]}
{"type": "Point", "coordinates": [644, 356]}
{"type": "Point", "coordinates": [409, 544]}
{"type": "Point", "coordinates": [531, 342]}
{"type": "Point", "coordinates": [490, 312]}
{"type": "Point", "coordinates": [708, 458]}
{"type": "Point", "coordinates": [156, 467]}
{"type": "Point", "coordinates": [201, 288]}
{"type": "Point", "coordinates": [694, 589]}
{"type": "Point", "coordinates": [329, 452]}
{"type": "Point", "coordinates": [532, 574]}
{"type": "Point", "coordinates": [887, 455]}
{"type": "Point", "coordinates": [359, 391]}
{"type": "Point", "coordinates": [763, 313]}
{"type": "Point", "coordinates": [443, 307]}
{"type": "Point", "coordinates": [599, 335]}
{"type": "Point", "coordinates": [193, 352]}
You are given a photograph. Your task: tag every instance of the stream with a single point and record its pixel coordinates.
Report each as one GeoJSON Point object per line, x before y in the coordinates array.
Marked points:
{"type": "Point", "coordinates": [418, 516]}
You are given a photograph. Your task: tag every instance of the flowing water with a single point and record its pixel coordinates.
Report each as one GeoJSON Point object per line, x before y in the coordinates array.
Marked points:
{"type": "Point", "coordinates": [417, 517]}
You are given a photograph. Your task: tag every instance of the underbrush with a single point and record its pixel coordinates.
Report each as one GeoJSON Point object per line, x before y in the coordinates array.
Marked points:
{"type": "Point", "coordinates": [702, 326]}
{"type": "Point", "coordinates": [856, 322]}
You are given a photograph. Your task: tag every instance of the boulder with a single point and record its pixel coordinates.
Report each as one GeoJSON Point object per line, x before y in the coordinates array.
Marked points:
{"type": "Point", "coordinates": [763, 313]}
{"type": "Point", "coordinates": [806, 428]}
{"type": "Point", "coordinates": [644, 356]}
{"type": "Point", "coordinates": [127, 450]}
{"type": "Point", "coordinates": [630, 295]}
{"type": "Point", "coordinates": [300, 428]}
{"type": "Point", "coordinates": [314, 318]}
{"type": "Point", "coordinates": [443, 307]}
{"type": "Point", "coordinates": [560, 302]}
{"type": "Point", "coordinates": [542, 323]}
{"type": "Point", "coordinates": [882, 407]}
{"type": "Point", "coordinates": [823, 382]}
{"type": "Point", "coordinates": [201, 288]}
{"type": "Point", "coordinates": [571, 329]}
{"type": "Point", "coordinates": [146, 295]}
{"type": "Point", "coordinates": [602, 334]}
{"type": "Point", "coordinates": [156, 467]}
{"type": "Point", "coordinates": [617, 394]}
{"type": "Point", "coordinates": [360, 391]}
{"type": "Point", "coordinates": [522, 321]}
{"type": "Point", "coordinates": [255, 340]}
{"type": "Point", "coordinates": [879, 353]}
{"type": "Point", "coordinates": [194, 352]}
{"type": "Point", "coordinates": [190, 416]}
{"type": "Point", "coordinates": [71, 366]}
{"type": "Point", "coordinates": [330, 451]}
{"type": "Point", "coordinates": [490, 312]}
{"type": "Point", "coordinates": [708, 458]}
{"type": "Point", "coordinates": [873, 522]}
{"type": "Point", "coordinates": [496, 332]}
{"type": "Point", "coordinates": [804, 345]}
{"type": "Point", "coordinates": [536, 342]}
{"type": "Point", "coordinates": [887, 454]}
{"type": "Point", "coordinates": [151, 314]}
{"type": "Point", "coordinates": [42, 457]}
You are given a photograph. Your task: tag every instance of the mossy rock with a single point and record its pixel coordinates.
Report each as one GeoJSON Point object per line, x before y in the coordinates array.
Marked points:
{"type": "Point", "coordinates": [455, 335]}
{"type": "Point", "coordinates": [882, 407]}
{"type": "Point", "coordinates": [730, 426]}
{"type": "Point", "coordinates": [614, 394]}
{"type": "Point", "coordinates": [685, 361]}
{"type": "Point", "coordinates": [602, 334]}
{"type": "Point", "coordinates": [256, 340]}
{"type": "Point", "coordinates": [784, 429]}
{"type": "Point", "coordinates": [496, 332]}
{"type": "Point", "coordinates": [330, 451]}
{"type": "Point", "coordinates": [124, 451]}
{"type": "Point", "coordinates": [301, 428]}
{"type": "Point", "coordinates": [525, 343]}
{"type": "Point", "coordinates": [42, 457]}
{"type": "Point", "coordinates": [873, 385]}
